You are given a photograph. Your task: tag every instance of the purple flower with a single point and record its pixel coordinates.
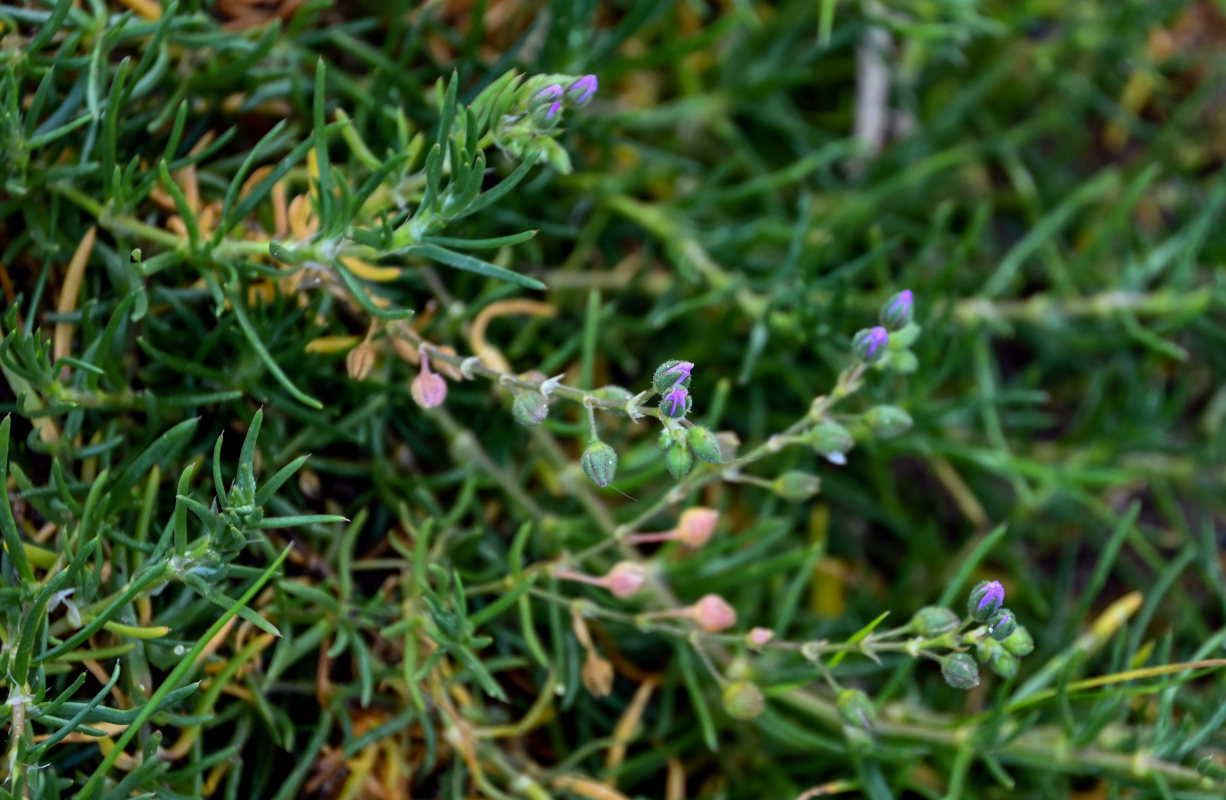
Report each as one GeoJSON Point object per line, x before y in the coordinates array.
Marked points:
{"type": "Point", "coordinates": [985, 600]}
{"type": "Point", "coordinates": [898, 310]}
{"type": "Point", "coordinates": [676, 400]}
{"type": "Point", "coordinates": [869, 344]}
{"type": "Point", "coordinates": [554, 108]}
{"type": "Point", "coordinates": [579, 92]}
{"type": "Point", "coordinates": [681, 368]}
{"type": "Point", "coordinates": [551, 92]}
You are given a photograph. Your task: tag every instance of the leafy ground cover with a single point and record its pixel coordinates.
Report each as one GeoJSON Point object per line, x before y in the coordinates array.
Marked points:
{"type": "Point", "coordinates": [612, 400]}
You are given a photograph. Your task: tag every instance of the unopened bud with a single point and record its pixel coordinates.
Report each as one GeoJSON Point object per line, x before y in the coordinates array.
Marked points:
{"type": "Point", "coordinates": [1020, 642]}
{"type": "Point", "coordinates": [713, 614]}
{"type": "Point", "coordinates": [1002, 624]}
{"type": "Point", "coordinates": [599, 462]}
{"type": "Point", "coordinates": [743, 700]}
{"type": "Point", "coordinates": [759, 637]}
{"type": "Point", "coordinates": [960, 671]}
{"type": "Point", "coordinates": [996, 657]}
{"type": "Point", "coordinates": [856, 708]}
{"type": "Point", "coordinates": [898, 310]}
{"type": "Point", "coordinates": [530, 408]}
{"type": "Point", "coordinates": [679, 460]}
{"type": "Point", "coordinates": [625, 579]}
{"type": "Point", "coordinates": [985, 599]}
{"type": "Point", "coordinates": [676, 403]}
{"type": "Point", "coordinates": [671, 373]}
{"type": "Point", "coordinates": [579, 92]}
{"type": "Point", "coordinates": [597, 675]}
{"type": "Point", "coordinates": [886, 422]}
{"type": "Point", "coordinates": [796, 486]}
{"type": "Point", "coordinates": [704, 444]}
{"type": "Point", "coordinates": [360, 361]}
{"type": "Point", "coordinates": [831, 440]}
{"type": "Point", "coordinates": [428, 390]}
{"type": "Point", "coordinates": [696, 526]}
{"type": "Point", "coordinates": [932, 621]}
{"type": "Point", "coordinates": [869, 344]}
{"type": "Point", "coordinates": [613, 394]}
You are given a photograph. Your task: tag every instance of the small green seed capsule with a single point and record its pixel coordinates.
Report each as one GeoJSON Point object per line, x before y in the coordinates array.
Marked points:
{"type": "Point", "coordinates": [831, 440]}
{"type": "Point", "coordinates": [1003, 663]}
{"type": "Point", "coordinates": [704, 444]}
{"type": "Point", "coordinates": [856, 708]}
{"type": "Point", "coordinates": [1002, 624]}
{"type": "Point", "coordinates": [679, 460]}
{"type": "Point", "coordinates": [796, 486]}
{"type": "Point", "coordinates": [599, 462]}
{"type": "Point", "coordinates": [530, 408]}
{"type": "Point", "coordinates": [960, 671]}
{"type": "Point", "coordinates": [1019, 643]}
{"type": "Point", "coordinates": [613, 394]}
{"type": "Point", "coordinates": [743, 700]}
{"type": "Point", "coordinates": [886, 422]}
{"type": "Point", "coordinates": [933, 621]}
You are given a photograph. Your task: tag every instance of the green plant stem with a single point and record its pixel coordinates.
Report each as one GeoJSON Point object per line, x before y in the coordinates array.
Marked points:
{"type": "Point", "coordinates": [1045, 745]}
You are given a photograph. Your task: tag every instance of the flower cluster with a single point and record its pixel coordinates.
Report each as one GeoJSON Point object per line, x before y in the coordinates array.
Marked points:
{"type": "Point", "coordinates": [998, 643]}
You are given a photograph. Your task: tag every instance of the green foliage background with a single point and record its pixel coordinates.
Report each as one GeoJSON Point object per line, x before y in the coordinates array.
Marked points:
{"type": "Point", "coordinates": [368, 622]}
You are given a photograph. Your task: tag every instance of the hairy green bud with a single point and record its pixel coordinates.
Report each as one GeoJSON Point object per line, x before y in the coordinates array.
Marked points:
{"type": "Point", "coordinates": [613, 394]}
{"type": "Point", "coordinates": [796, 486]}
{"type": "Point", "coordinates": [679, 460]}
{"type": "Point", "coordinates": [829, 439]}
{"type": "Point", "coordinates": [960, 671]}
{"type": "Point", "coordinates": [898, 310]}
{"type": "Point", "coordinates": [1002, 624]}
{"type": "Point", "coordinates": [671, 374]}
{"type": "Point", "coordinates": [985, 599]}
{"type": "Point", "coordinates": [743, 700]}
{"type": "Point", "coordinates": [704, 444]}
{"type": "Point", "coordinates": [530, 408]}
{"type": "Point", "coordinates": [1003, 663]}
{"type": "Point", "coordinates": [599, 462]}
{"type": "Point", "coordinates": [869, 344]}
{"type": "Point", "coordinates": [933, 621]}
{"type": "Point", "coordinates": [1020, 642]}
{"type": "Point", "coordinates": [886, 422]}
{"type": "Point", "coordinates": [856, 708]}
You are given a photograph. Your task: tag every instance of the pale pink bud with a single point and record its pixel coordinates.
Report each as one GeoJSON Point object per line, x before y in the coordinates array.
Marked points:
{"type": "Point", "coordinates": [625, 579]}
{"type": "Point", "coordinates": [759, 637]}
{"type": "Point", "coordinates": [428, 390]}
{"type": "Point", "coordinates": [713, 614]}
{"type": "Point", "coordinates": [696, 525]}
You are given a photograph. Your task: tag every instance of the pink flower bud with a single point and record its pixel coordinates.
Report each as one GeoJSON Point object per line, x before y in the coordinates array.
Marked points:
{"type": "Point", "coordinates": [713, 614]}
{"type": "Point", "coordinates": [625, 579]}
{"type": "Point", "coordinates": [759, 637]}
{"type": "Point", "coordinates": [428, 390]}
{"type": "Point", "coordinates": [696, 525]}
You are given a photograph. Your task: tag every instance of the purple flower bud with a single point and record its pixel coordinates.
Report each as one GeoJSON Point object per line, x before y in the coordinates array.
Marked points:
{"type": "Point", "coordinates": [898, 310]}
{"type": "Point", "coordinates": [579, 92]}
{"type": "Point", "coordinates": [676, 403]}
{"type": "Point", "coordinates": [670, 374]}
{"type": "Point", "coordinates": [985, 600]}
{"type": "Point", "coordinates": [1002, 624]}
{"type": "Point", "coordinates": [681, 368]}
{"type": "Point", "coordinates": [554, 108]}
{"type": "Point", "coordinates": [551, 92]}
{"type": "Point", "coordinates": [869, 344]}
